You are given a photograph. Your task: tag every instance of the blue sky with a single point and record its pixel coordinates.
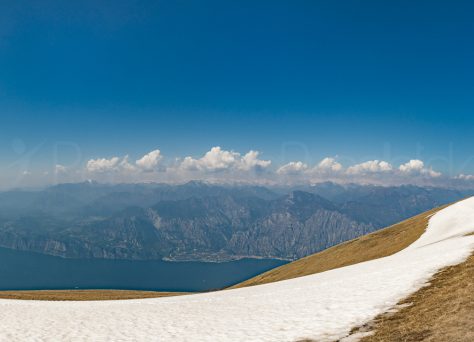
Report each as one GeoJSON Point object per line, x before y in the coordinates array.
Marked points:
{"type": "Point", "coordinates": [294, 80]}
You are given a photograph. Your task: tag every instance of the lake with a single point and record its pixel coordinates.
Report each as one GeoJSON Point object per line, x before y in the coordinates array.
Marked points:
{"type": "Point", "coordinates": [32, 271]}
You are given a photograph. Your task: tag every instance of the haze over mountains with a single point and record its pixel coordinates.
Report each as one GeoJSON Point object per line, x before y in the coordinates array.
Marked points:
{"type": "Point", "coordinates": [200, 221]}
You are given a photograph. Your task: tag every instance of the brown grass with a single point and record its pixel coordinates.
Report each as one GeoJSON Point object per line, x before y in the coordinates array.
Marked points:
{"type": "Point", "coordinates": [379, 244]}
{"type": "Point", "coordinates": [441, 312]}
{"type": "Point", "coordinates": [84, 294]}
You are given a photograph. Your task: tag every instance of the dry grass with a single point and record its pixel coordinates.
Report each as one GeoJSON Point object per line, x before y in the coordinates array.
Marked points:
{"type": "Point", "coordinates": [441, 312]}
{"type": "Point", "coordinates": [368, 247]}
{"type": "Point", "coordinates": [84, 294]}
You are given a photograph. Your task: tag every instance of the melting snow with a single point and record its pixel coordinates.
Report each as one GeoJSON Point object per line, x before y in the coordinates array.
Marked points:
{"type": "Point", "coordinates": [323, 307]}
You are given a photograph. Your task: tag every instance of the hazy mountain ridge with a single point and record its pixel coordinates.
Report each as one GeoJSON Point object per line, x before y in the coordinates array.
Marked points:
{"type": "Point", "coordinates": [199, 221]}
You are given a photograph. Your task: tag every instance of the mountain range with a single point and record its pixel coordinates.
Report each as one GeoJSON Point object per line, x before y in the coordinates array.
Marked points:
{"type": "Point", "coordinates": [203, 222]}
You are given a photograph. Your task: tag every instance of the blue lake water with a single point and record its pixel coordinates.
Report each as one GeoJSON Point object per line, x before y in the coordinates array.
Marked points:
{"type": "Point", "coordinates": [28, 271]}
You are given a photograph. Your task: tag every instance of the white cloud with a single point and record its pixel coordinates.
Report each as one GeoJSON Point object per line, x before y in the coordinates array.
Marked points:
{"type": "Point", "coordinates": [219, 165]}
{"type": "Point", "coordinates": [416, 166]}
{"type": "Point", "coordinates": [432, 173]}
{"type": "Point", "coordinates": [250, 161]}
{"type": "Point", "coordinates": [292, 168]}
{"type": "Point", "coordinates": [125, 165]}
{"type": "Point", "coordinates": [465, 177]}
{"type": "Point", "coordinates": [189, 164]}
{"type": "Point", "coordinates": [328, 165]}
{"type": "Point", "coordinates": [413, 165]}
{"type": "Point", "coordinates": [218, 159]}
{"type": "Point", "coordinates": [102, 165]}
{"type": "Point", "coordinates": [214, 160]}
{"type": "Point", "coordinates": [149, 161]}
{"type": "Point", "coordinates": [371, 166]}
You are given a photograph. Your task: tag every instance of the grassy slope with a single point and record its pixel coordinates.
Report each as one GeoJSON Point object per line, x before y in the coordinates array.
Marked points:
{"type": "Point", "coordinates": [372, 246]}
{"type": "Point", "coordinates": [441, 312]}
{"type": "Point", "coordinates": [84, 294]}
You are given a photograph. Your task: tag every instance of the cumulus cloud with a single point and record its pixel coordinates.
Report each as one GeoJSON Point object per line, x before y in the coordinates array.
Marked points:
{"type": "Point", "coordinates": [219, 165]}
{"type": "Point", "coordinates": [371, 166]}
{"type": "Point", "coordinates": [292, 168]}
{"type": "Point", "coordinates": [103, 165]}
{"type": "Point", "coordinates": [250, 161]}
{"type": "Point", "coordinates": [149, 161]}
{"type": "Point", "coordinates": [218, 159]}
{"type": "Point", "coordinates": [412, 165]}
{"type": "Point", "coordinates": [327, 165]}
{"type": "Point", "coordinates": [416, 166]}
{"type": "Point", "coordinates": [214, 160]}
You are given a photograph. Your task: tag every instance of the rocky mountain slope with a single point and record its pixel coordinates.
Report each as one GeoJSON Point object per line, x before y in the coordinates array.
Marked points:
{"type": "Point", "coordinates": [198, 221]}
